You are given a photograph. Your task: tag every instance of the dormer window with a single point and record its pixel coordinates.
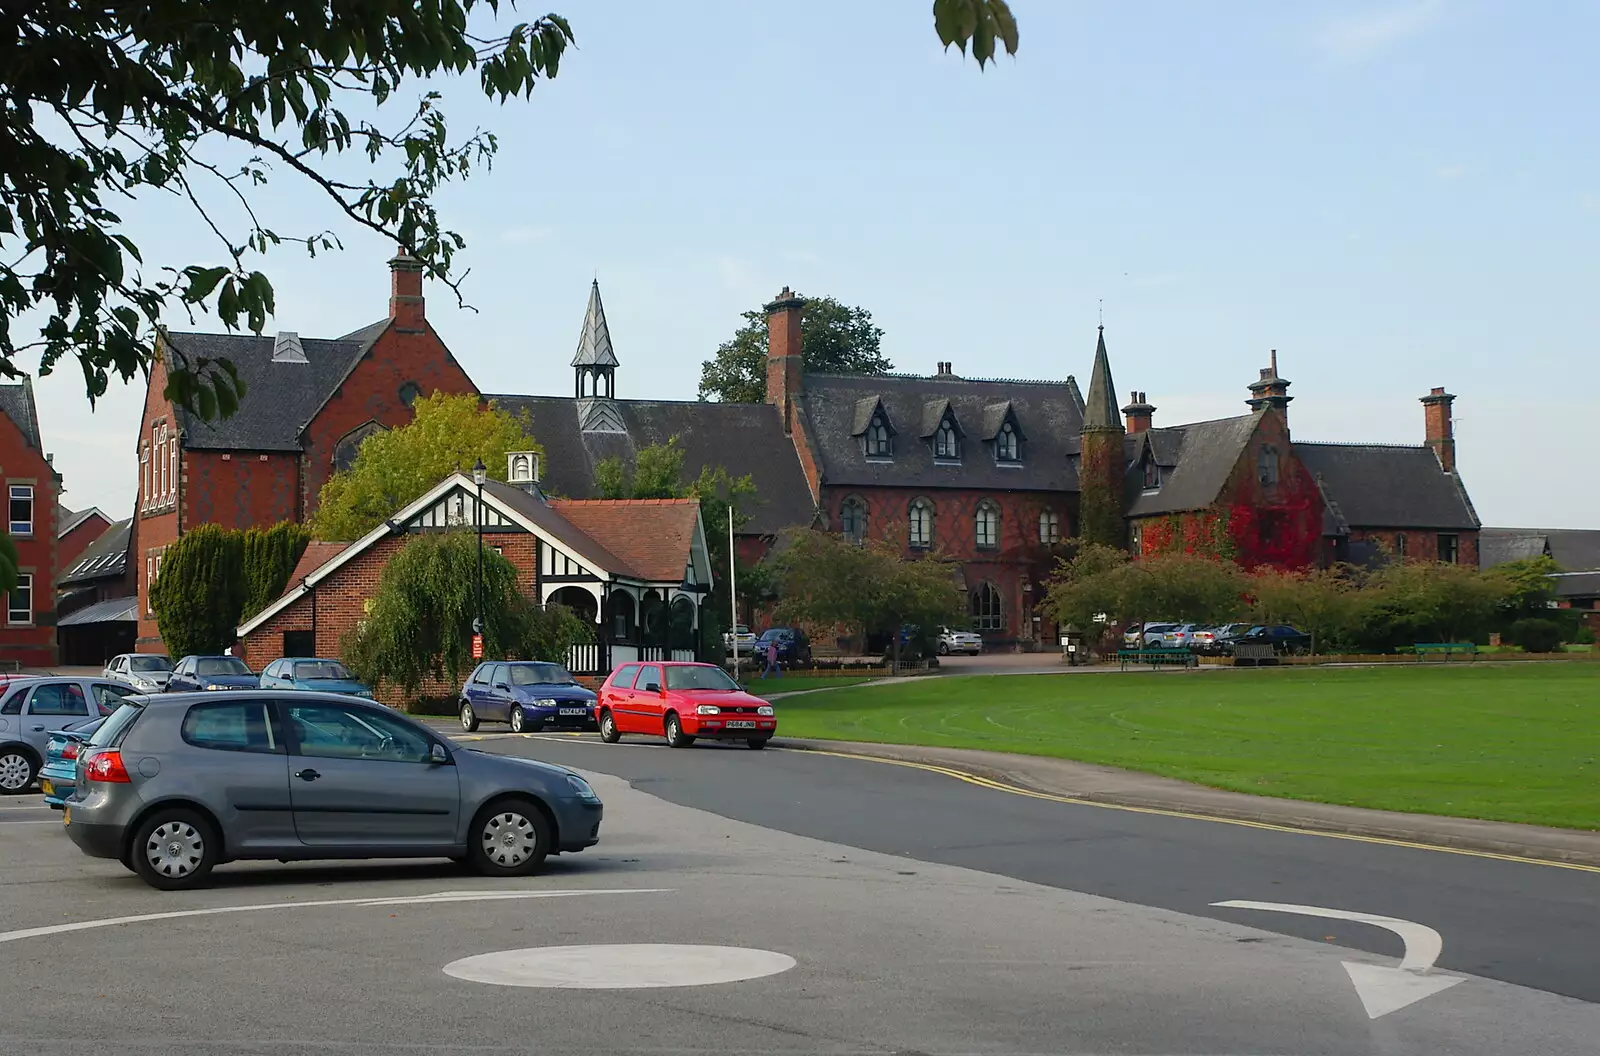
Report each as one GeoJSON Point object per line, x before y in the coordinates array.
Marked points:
{"type": "Point", "coordinates": [879, 444]}
{"type": "Point", "coordinates": [1006, 448]}
{"type": "Point", "coordinates": [946, 443]}
{"type": "Point", "coordinates": [1152, 474]}
{"type": "Point", "coordinates": [1267, 464]}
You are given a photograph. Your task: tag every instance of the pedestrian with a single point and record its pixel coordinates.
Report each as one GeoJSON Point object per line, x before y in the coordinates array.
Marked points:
{"type": "Point", "coordinates": [772, 659]}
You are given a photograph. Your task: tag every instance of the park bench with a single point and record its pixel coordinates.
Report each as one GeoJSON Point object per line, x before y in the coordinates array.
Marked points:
{"type": "Point", "coordinates": [1255, 654]}
{"type": "Point", "coordinates": [1155, 657]}
{"type": "Point", "coordinates": [1427, 649]}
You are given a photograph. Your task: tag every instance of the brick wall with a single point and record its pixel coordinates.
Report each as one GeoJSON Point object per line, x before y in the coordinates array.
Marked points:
{"type": "Point", "coordinates": [240, 489]}
{"type": "Point", "coordinates": [1421, 544]}
{"type": "Point", "coordinates": [75, 542]}
{"type": "Point", "coordinates": [33, 643]}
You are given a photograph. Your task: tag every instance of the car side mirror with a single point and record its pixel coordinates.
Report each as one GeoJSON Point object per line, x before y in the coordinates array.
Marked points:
{"type": "Point", "coordinates": [652, 687]}
{"type": "Point", "coordinates": [502, 685]}
{"type": "Point", "coordinates": [437, 754]}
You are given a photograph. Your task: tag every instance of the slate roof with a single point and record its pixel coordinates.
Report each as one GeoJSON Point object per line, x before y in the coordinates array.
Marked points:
{"type": "Point", "coordinates": [112, 610]}
{"type": "Point", "coordinates": [1388, 486]}
{"type": "Point", "coordinates": [105, 558]}
{"type": "Point", "coordinates": [653, 536]}
{"type": "Point", "coordinates": [280, 398]}
{"type": "Point", "coordinates": [67, 520]}
{"type": "Point", "coordinates": [746, 439]}
{"type": "Point", "coordinates": [1578, 585]}
{"type": "Point", "coordinates": [1101, 407]}
{"type": "Point", "coordinates": [16, 403]}
{"type": "Point", "coordinates": [1048, 415]}
{"type": "Point", "coordinates": [594, 341]}
{"type": "Point", "coordinates": [1574, 549]}
{"type": "Point", "coordinates": [1196, 461]}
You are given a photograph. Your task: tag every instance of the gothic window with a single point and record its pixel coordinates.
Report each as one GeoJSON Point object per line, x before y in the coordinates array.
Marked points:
{"type": "Point", "coordinates": [878, 442]}
{"type": "Point", "coordinates": [1049, 527]}
{"type": "Point", "coordinates": [144, 474]}
{"type": "Point", "coordinates": [946, 444]}
{"type": "Point", "coordinates": [853, 519]}
{"type": "Point", "coordinates": [921, 524]}
{"type": "Point", "coordinates": [1152, 474]}
{"type": "Point", "coordinates": [409, 393]}
{"type": "Point", "coordinates": [986, 526]}
{"type": "Point", "coordinates": [1267, 462]}
{"type": "Point", "coordinates": [349, 445]}
{"type": "Point", "coordinates": [986, 611]}
{"type": "Point", "coordinates": [1006, 448]}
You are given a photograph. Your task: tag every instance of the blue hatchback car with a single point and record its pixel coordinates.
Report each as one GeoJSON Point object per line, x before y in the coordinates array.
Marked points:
{"type": "Point", "coordinates": [315, 674]}
{"type": "Point", "coordinates": [211, 672]}
{"type": "Point", "coordinates": [528, 694]}
{"type": "Point", "coordinates": [59, 774]}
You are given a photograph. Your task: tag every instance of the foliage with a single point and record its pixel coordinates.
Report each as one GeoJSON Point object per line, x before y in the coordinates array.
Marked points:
{"type": "Point", "coordinates": [1536, 635]}
{"type": "Point", "coordinates": [419, 622]}
{"type": "Point", "coordinates": [983, 23]}
{"type": "Point", "coordinates": [1322, 602]}
{"type": "Point", "coordinates": [8, 564]}
{"type": "Point", "coordinates": [656, 473]}
{"type": "Point", "coordinates": [1100, 580]}
{"type": "Point", "coordinates": [270, 555]}
{"type": "Point", "coordinates": [1086, 587]}
{"type": "Point", "coordinates": [200, 591]}
{"type": "Point", "coordinates": [834, 339]}
{"type": "Point", "coordinates": [1100, 519]}
{"type": "Point", "coordinates": [1526, 584]}
{"type": "Point", "coordinates": [118, 101]}
{"type": "Point", "coordinates": [447, 434]}
{"type": "Point", "coordinates": [1406, 602]}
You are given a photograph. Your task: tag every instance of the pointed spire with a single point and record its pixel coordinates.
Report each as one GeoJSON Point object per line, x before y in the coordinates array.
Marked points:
{"type": "Point", "coordinates": [594, 344]}
{"type": "Point", "coordinates": [1100, 409]}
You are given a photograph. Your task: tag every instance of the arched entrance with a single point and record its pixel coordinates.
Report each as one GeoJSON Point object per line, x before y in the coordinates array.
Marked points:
{"type": "Point", "coordinates": [681, 629]}
{"type": "Point", "coordinates": [580, 601]}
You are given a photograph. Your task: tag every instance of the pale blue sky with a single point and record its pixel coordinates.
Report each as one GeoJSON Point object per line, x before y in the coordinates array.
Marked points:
{"type": "Point", "coordinates": [1395, 195]}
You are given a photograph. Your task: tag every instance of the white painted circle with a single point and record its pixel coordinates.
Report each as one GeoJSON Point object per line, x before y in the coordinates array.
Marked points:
{"type": "Point", "coordinates": [620, 966]}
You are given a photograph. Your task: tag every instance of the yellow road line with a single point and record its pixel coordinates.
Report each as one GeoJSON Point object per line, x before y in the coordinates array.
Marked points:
{"type": "Point", "coordinates": [1015, 790]}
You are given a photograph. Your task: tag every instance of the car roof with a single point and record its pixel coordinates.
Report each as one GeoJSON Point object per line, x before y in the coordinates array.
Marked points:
{"type": "Point", "coordinates": [310, 659]}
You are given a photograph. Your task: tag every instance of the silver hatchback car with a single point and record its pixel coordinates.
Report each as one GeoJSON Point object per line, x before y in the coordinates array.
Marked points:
{"type": "Point", "coordinates": [173, 785]}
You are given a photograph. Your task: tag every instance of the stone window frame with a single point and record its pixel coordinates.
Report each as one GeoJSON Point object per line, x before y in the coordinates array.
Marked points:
{"type": "Point", "coordinates": [947, 440]}
{"type": "Point", "coordinates": [920, 508]}
{"type": "Point", "coordinates": [1049, 527]}
{"type": "Point", "coordinates": [24, 585]}
{"type": "Point", "coordinates": [986, 606]}
{"type": "Point", "coordinates": [986, 525]}
{"type": "Point", "coordinates": [32, 522]}
{"type": "Point", "coordinates": [1007, 444]}
{"type": "Point", "coordinates": [1267, 465]}
{"type": "Point", "coordinates": [879, 440]}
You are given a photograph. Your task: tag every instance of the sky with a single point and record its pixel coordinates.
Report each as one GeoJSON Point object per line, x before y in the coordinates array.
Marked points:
{"type": "Point", "coordinates": [1394, 195]}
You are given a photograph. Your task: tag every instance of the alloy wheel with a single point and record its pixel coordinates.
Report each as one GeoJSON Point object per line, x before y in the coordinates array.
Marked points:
{"type": "Point", "coordinates": [16, 772]}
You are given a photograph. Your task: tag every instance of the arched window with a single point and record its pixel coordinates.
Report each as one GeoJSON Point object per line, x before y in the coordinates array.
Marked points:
{"type": "Point", "coordinates": [521, 468]}
{"type": "Point", "coordinates": [986, 612]}
{"type": "Point", "coordinates": [622, 618]}
{"type": "Point", "coordinates": [986, 526]}
{"type": "Point", "coordinates": [946, 444]}
{"type": "Point", "coordinates": [349, 445]}
{"type": "Point", "coordinates": [853, 519]}
{"type": "Point", "coordinates": [1049, 527]}
{"type": "Point", "coordinates": [921, 524]}
{"type": "Point", "coordinates": [409, 393]}
{"type": "Point", "coordinates": [878, 443]}
{"type": "Point", "coordinates": [1006, 448]}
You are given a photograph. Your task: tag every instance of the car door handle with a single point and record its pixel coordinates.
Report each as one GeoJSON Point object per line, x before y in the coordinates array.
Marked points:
{"type": "Point", "coordinates": [38, 729]}
{"type": "Point", "coordinates": [307, 775]}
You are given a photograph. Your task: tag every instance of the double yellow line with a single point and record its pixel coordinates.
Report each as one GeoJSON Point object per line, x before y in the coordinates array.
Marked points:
{"type": "Point", "coordinates": [1017, 790]}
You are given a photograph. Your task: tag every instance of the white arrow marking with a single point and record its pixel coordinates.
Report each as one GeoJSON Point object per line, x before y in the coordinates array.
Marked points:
{"type": "Point", "coordinates": [401, 900]}
{"type": "Point", "coordinates": [1382, 989]}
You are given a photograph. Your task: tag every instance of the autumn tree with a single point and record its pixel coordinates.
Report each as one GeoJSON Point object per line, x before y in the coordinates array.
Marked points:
{"type": "Point", "coordinates": [1321, 602]}
{"type": "Point", "coordinates": [447, 434]}
{"type": "Point", "coordinates": [834, 339]}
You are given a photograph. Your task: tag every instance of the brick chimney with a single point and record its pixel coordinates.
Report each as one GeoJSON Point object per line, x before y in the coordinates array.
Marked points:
{"type": "Point", "coordinates": [405, 293]}
{"type": "Point", "coordinates": [1436, 416]}
{"type": "Point", "coordinates": [1137, 413]}
{"type": "Point", "coordinates": [784, 371]}
{"type": "Point", "coordinates": [1271, 390]}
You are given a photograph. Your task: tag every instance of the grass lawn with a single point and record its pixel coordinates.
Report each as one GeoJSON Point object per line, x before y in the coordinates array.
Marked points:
{"type": "Point", "coordinates": [1514, 743]}
{"type": "Point", "coordinates": [794, 683]}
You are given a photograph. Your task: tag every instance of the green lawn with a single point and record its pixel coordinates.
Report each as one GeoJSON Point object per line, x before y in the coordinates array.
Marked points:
{"type": "Point", "coordinates": [794, 683]}
{"type": "Point", "coordinates": [1513, 743]}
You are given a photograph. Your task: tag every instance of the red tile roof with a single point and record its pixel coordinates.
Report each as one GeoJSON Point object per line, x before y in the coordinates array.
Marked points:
{"type": "Point", "coordinates": [653, 536]}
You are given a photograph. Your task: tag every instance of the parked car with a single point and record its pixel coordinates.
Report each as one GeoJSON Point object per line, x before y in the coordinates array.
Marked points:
{"type": "Point", "coordinates": [527, 694]}
{"type": "Point", "coordinates": [313, 673]}
{"type": "Point", "coordinates": [146, 671]}
{"type": "Point", "coordinates": [954, 641]}
{"type": "Point", "coordinates": [743, 636]}
{"type": "Point", "coordinates": [793, 645]}
{"type": "Point", "coordinates": [682, 701]}
{"type": "Point", "coordinates": [32, 709]}
{"type": "Point", "coordinates": [1282, 638]}
{"type": "Point", "coordinates": [1141, 636]}
{"type": "Point", "coordinates": [60, 770]}
{"type": "Point", "coordinates": [1179, 637]}
{"type": "Point", "coordinates": [211, 672]}
{"type": "Point", "coordinates": [1209, 641]}
{"type": "Point", "coordinates": [327, 776]}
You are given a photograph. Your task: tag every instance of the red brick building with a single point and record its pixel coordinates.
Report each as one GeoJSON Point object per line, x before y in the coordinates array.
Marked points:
{"type": "Point", "coordinates": [75, 531]}
{"type": "Point", "coordinates": [308, 405]}
{"type": "Point", "coordinates": [32, 493]}
{"type": "Point", "coordinates": [96, 602]}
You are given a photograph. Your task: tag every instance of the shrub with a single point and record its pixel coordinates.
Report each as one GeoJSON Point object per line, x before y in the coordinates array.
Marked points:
{"type": "Point", "coordinates": [1536, 635]}
{"type": "Point", "coordinates": [198, 595]}
{"type": "Point", "coordinates": [270, 555]}
{"type": "Point", "coordinates": [1585, 635]}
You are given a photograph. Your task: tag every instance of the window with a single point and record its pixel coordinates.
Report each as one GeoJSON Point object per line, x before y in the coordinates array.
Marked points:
{"type": "Point", "coordinates": [946, 444]}
{"type": "Point", "coordinates": [699, 677]}
{"type": "Point", "coordinates": [145, 662]}
{"type": "Point", "coordinates": [19, 603]}
{"type": "Point", "coordinates": [1006, 448]}
{"type": "Point", "coordinates": [649, 676]}
{"type": "Point", "coordinates": [624, 677]}
{"type": "Point", "coordinates": [1449, 546]}
{"type": "Point", "coordinates": [331, 731]}
{"type": "Point", "coordinates": [233, 726]}
{"type": "Point", "coordinates": [878, 442]}
{"type": "Point", "coordinates": [1267, 464]}
{"type": "Point", "coordinates": [622, 617]}
{"type": "Point", "coordinates": [986, 613]}
{"type": "Point", "coordinates": [13, 704]}
{"type": "Point", "coordinates": [1400, 544]}
{"type": "Point", "coordinates": [540, 675]}
{"type": "Point", "coordinates": [62, 698]}
{"type": "Point", "coordinates": [409, 393]}
{"type": "Point", "coordinates": [520, 467]}
{"type": "Point", "coordinates": [986, 526]}
{"type": "Point", "coordinates": [853, 519]}
{"type": "Point", "coordinates": [21, 509]}
{"type": "Point", "coordinates": [144, 474]}
{"type": "Point", "coordinates": [1049, 527]}
{"type": "Point", "coordinates": [1152, 474]}
{"type": "Point", "coordinates": [326, 669]}
{"type": "Point", "coordinates": [109, 698]}
{"type": "Point", "coordinates": [172, 468]}
{"type": "Point", "coordinates": [921, 524]}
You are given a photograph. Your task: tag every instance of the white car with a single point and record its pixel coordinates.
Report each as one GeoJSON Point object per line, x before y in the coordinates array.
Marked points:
{"type": "Point", "coordinates": [742, 635]}
{"type": "Point", "coordinates": [1149, 634]}
{"type": "Point", "coordinates": [146, 671]}
{"type": "Point", "coordinates": [953, 641]}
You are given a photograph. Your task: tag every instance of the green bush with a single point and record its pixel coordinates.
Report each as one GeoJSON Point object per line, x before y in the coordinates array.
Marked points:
{"type": "Point", "coordinates": [270, 555]}
{"type": "Point", "coordinates": [1536, 636]}
{"type": "Point", "coordinates": [1585, 635]}
{"type": "Point", "coordinates": [199, 592]}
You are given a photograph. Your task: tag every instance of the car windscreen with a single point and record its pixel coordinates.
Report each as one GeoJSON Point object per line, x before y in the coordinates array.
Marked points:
{"type": "Point", "coordinates": [539, 675]}
{"type": "Point", "coordinates": [321, 669]}
{"type": "Point", "coordinates": [117, 723]}
{"type": "Point", "coordinates": [699, 678]}
{"type": "Point", "coordinates": [221, 665]}
{"type": "Point", "coordinates": [149, 663]}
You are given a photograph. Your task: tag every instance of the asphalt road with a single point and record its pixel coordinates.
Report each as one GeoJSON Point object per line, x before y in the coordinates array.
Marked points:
{"type": "Point", "coordinates": [1532, 925]}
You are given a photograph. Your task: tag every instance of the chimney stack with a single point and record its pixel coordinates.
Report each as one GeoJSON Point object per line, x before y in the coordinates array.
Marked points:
{"type": "Point", "coordinates": [1137, 413]}
{"type": "Point", "coordinates": [1271, 391]}
{"type": "Point", "coordinates": [405, 293]}
{"type": "Point", "coordinates": [784, 368]}
{"type": "Point", "coordinates": [1439, 423]}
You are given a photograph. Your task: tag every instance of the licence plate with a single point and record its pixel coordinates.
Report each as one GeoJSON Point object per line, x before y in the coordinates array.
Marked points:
{"type": "Point", "coordinates": [574, 711]}
{"type": "Point", "coordinates": [47, 788]}
{"type": "Point", "coordinates": [66, 815]}
{"type": "Point", "coordinates": [740, 724]}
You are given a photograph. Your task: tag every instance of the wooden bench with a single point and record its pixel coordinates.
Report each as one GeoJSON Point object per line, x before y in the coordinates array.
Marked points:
{"type": "Point", "coordinates": [1155, 657]}
{"type": "Point", "coordinates": [1255, 654]}
{"type": "Point", "coordinates": [1449, 649]}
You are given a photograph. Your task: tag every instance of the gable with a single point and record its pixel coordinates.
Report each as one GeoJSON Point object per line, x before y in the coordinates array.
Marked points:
{"type": "Point", "coordinates": [1198, 463]}
{"type": "Point", "coordinates": [1388, 486]}
{"type": "Point", "coordinates": [458, 508]}
{"type": "Point", "coordinates": [16, 404]}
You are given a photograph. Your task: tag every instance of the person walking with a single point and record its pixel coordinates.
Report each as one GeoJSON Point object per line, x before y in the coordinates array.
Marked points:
{"type": "Point", "coordinates": [772, 659]}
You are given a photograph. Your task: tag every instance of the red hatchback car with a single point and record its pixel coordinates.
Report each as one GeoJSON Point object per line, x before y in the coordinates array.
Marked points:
{"type": "Point", "coordinates": [681, 702]}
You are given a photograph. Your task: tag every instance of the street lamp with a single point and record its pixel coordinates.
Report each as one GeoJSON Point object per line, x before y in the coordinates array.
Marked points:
{"type": "Point", "coordinates": [480, 473]}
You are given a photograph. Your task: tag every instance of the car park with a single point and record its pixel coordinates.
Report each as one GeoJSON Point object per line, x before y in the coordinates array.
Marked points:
{"type": "Point", "coordinates": [145, 671]}
{"type": "Point", "coordinates": [954, 641]}
{"type": "Point", "coordinates": [1179, 637]}
{"type": "Point", "coordinates": [313, 673]}
{"type": "Point", "coordinates": [1282, 638]}
{"type": "Point", "coordinates": [1211, 641]}
{"type": "Point", "coordinates": [211, 673]}
{"type": "Point", "coordinates": [60, 771]}
{"type": "Point", "coordinates": [741, 636]}
{"type": "Point", "coordinates": [681, 702]}
{"type": "Point", "coordinates": [33, 709]}
{"type": "Point", "coordinates": [1144, 635]}
{"type": "Point", "coordinates": [793, 645]}
{"type": "Point", "coordinates": [525, 694]}
{"type": "Point", "coordinates": [175, 784]}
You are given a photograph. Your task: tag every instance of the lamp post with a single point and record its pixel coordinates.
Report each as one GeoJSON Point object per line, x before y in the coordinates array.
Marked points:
{"type": "Point", "coordinates": [480, 473]}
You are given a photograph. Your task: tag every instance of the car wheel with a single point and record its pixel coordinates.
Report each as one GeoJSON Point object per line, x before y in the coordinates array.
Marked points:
{"type": "Point", "coordinates": [174, 850]}
{"type": "Point", "coordinates": [509, 838]}
{"type": "Point", "coordinates": [758, 743]}
{"type": "Point", "coordinates": [676, 738]}
{"type": "Point", "coordinates": [608, 728]}
{"type": "Point", "coordinates": [17, 771]}
{"type": "Point", "coordinates": [518, 719]}
{"type": "Point", "coordinates": [944, 650]}
{"type": "Point", "coordinates": [469, 718]}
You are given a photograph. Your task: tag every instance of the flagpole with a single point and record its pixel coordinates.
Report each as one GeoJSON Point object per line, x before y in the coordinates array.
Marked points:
{"type": "Point", "coordinates": [733, 598]}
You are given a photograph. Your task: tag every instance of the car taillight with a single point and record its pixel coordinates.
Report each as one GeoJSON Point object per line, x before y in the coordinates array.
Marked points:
{"type": "Point", "coordinates": [106, 766]}
{"type": "Point", "coordinates": [70, 751]}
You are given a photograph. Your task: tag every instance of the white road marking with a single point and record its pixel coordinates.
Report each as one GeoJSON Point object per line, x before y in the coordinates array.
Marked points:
{"type": "Point", "coordinates": [620, 966]}
{"type": "Point", "coordinates": [1381, 989]}
{"type": "Point", "coordinates": [399, 900]}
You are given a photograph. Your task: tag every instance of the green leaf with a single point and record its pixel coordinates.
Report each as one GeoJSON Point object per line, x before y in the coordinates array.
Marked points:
{"type": "Point", "coordinates": [201, 282]}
